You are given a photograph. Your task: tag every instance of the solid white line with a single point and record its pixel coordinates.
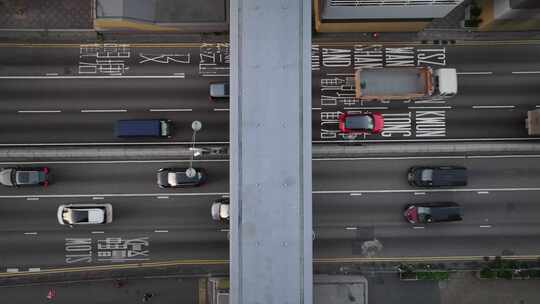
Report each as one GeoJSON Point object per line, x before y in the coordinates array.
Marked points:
{"type": "Point", "coordinates": [162, 197]}
{"type": "Point", "coordinates": [427, 190]}
{"type": "Point", "coordinates": [34, 269]}
{"type": "Point", "coordinates": [483, 192]}
{"type": "Point", "coordinates": [104, 111]}
{"type": "Point", "coordinates": [97, 198]}
{"type": "Point", "coordinates": [98, 232]}
{"type": "Point", "coordinates": [485, 226]}
{"type": "Point", "coordinates": [441, 107]}
{"type": "Point", "coordinates": [116, 195]}
{"type": "Point", "coordinates": [39, 111]}
{"type": "Point", "coordinates": [51, 74]}
{"type": "Point", "coordinates": [170, 110]}
{"type": "Point", "coordinates": [418, 227]}
{"type": "Point", "coordinates": [493, 107]}
{"type": "Point", "coordinates": [161, 231]}
{"type": "Point", "coordinates": [356, 194]}
{"type": "Point", "coordinates": [221, 110]}
{"type": "Point", "coordinates": [474, 73]}
{"type": "Point", "coordinates": [413, 140]}
{"type": "Point", "coordinates": [12, 270]}
{"type": "Point", "coordinates": [32, 198]}
{"type": "Point", "coordinates": [351, 228]}
{"type": "Point", "coordinates": [366, 108]}
{"type": "Point", "coordinates": [390, 158]}
{"type": "Point", "coordinates": [419, 193]}
{"type": "Point", "coordinates": [170, 143]}
{"type": "Point", "coordinates": [30, 233]}
{"type": "Point", "coordinates": [94, 77]}
{"type": "Point", "coordinates": [527, 72]}
{"type": "Point", "coordinates": [119, 161]}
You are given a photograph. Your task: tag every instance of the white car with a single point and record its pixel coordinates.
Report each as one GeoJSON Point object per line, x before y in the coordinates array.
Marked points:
{"type": "Point", "coordinates": [82, 214]}
{"type": "Point", "coordinates": [220, 209]}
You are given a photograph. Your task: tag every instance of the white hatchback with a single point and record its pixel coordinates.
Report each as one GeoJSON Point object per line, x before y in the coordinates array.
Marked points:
{"type": "Point", "coordinates": [81, 214]}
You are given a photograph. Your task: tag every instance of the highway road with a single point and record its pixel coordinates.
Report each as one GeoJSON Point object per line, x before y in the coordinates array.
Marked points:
{"type": "Point", "coordinates": [67, 94]}
{"type": "Point", "coordinates": [358, 206]}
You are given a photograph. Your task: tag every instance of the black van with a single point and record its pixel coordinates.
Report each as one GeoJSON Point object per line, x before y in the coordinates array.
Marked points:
{"type": "Point", "coordinates": [426, 213]}
{"type": "Point", "coordinates": [143, 128]}
{"type": "Point", "coordinates": [440, 176]}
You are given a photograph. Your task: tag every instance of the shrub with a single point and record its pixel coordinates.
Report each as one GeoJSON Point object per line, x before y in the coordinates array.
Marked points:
{"type": "Point", "coordinates": [433, 275]}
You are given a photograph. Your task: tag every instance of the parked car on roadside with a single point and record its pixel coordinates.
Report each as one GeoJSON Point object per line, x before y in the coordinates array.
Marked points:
{"type": "Point", "coordinates": [16, 177]}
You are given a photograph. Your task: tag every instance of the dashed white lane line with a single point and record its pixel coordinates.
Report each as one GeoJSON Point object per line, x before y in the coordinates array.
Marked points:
{"type": "Point", "coordinates": [104, 111]}
{"type": "Point", "coordinates": [356, 194]}
{"type": "Point", "coordinates": [526, 72]}
{"type": "Point", "coordinates": [12, 270]}
{"type": "Point", "coordinates": [97, 198]}
{"type": "Point", "coordinates": [161, 231]}
{"type": "Point", "coordinates": [316, 109]}
{"type": "Point", "coordinates": [366, 108]}
{"type": "Point", "coordinates": [171, 110]}
{"type": "Point", "coordinates": [493, 107]}
{"type": "Point", "coordinates": [485, 226]}
{"type": "Point", "coordinates": [225, 196]}
{"type": "Point", "coordinates": [30, 233]}
{"type": "Point", "coordinates": [221, 109]}
{"type": "Point", "coordinates": [51, 74]}
{"type": "Point", "coordinates": [428, 107]}
{"type": "Point", "coordinates": [98, 232]}
{"type": "Point", "coordinates": [418, 227]}
{"type": "Point", "coordinates": [224, 230]}
{"type": "Point", "coordinates": [474, 73]}
{"type": "Point", "coordinates": [32, 198]}
{"type": "Point", "coordinates": [38, 111]}
{"type": "Point", "coordinates": [34, 269]}
{"type": "Point", "coordinates": [351, 228]}
{"type": "Point", "coordinates": [483, 192]}
{"type": "Point", "coordinates": [117, 76]}
{"type": "Point", "coordinates": [162, 197]}
{"type": "Point", "coordinates": [419, 193]}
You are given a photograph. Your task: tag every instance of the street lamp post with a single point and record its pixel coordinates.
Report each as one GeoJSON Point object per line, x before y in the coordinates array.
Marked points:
{"type": "Point", "coordinates": [195, 126]}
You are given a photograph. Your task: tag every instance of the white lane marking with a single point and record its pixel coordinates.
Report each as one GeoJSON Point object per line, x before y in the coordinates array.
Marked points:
{"type": "Point", "coordinates": [170, 143]}
{"type": "Point", "coordinates": [224, 230]}
{"type": "Point", "coordinates": [32, 198]}
{"type": "Point", "coordinates": [120, 161]}
{"type": "Point", "coordinates": [162, 197]}
{"type": "Point", "coordinates": [427, 107]}
{"type": "Point", "coordinates": [12, 270]}
{"type": "Point", "coordinates": [356, 194]}
{"type": "Point", "coordinates": [401, 140]}
{"type": "Point", "coordinates": [419, 193]}
{"type": "Point", "coordinates": [226, 160]}
{"type": "Point", "coordinates": [97, 198]}
{"type": "Point", "coordinates": [51, 74]}
{"type": "Point", "coordinates": [170, 110]}
{"type": "Point", "coordinates": [221, 110]}
{"type": "Point", "coordinates": [30, 233]}
{"type": "Point", "coordinates": [34, 269]}
{"type": "Point", "coordinates": [117, 195]}
{"type": "Point", "coordinates": [119, 76]}
{"type": "Point", "coordinates": [483, 192]}
{"type": "Point", "coordinates": [225, 196]}
{"type": "Point", "coordinates": [366, 108]}
{"type": "Point", "coordinates": [104, 111]}
{"type": "Point", "coordinates": [351, 228]}
{"type": "Point", "coordinates": [418, 227]}
{"type": "Point", "coordinates": [485, 226]}
{"type": "Point", "coordinates": [427, 190]}
{"type": "Point", "coordinates": [474, 73]}
{"type": "Point", "coordinates": [39, 111]}
{"type": "Point", "coordinates": [179, 74]}
{"type": "Point", "coordinates": [538, 106]}
{"type": "Point", "coordinates": [161, 231]}
{"type": "Point", "coordinates": [316, 109]}
{"type": "Point", "coordinates": [98, 232]}
{"type": "Point", "coordinates": [493, 107]}
{"type": "Point", "coordinates": [526, 72]}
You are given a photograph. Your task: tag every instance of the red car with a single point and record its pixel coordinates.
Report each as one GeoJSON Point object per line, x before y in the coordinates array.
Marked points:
{"type": "Point", "coordinates": [361, 123]}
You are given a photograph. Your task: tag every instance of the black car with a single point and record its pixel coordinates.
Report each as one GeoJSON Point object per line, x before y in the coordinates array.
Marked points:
{"type": "Point", "coordinates": [426, 213]}
{"type": "Point", "coordinates": [178, 177]}
{"type": "Point", "coordinates": [16, 177]}
{"type": "Point", "coordinates": [439, 176]}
